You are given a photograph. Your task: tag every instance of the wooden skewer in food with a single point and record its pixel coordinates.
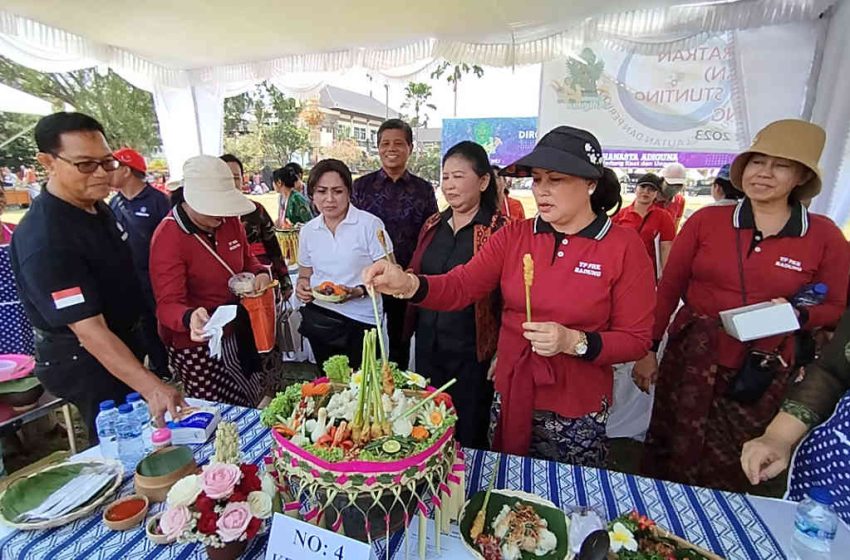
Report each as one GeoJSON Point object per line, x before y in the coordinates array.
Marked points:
{"type": "Point", "coordinates": [478, 525]}
{"type": "Point", "coordinates": [528, 280]}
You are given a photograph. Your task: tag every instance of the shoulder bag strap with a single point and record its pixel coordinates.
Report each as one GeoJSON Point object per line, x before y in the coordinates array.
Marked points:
{"type": "Point", "coordinates": [740, 265]}
{"type": "Point", "coordinates": [214, 254]}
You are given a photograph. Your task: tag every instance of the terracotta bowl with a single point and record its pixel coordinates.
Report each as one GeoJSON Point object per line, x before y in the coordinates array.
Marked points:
{"type": "Point", "coordinates": [130, 522]}
{"type": "Point", "coordinates": [153, 535]}
{"type": "Point", "coordinates": [156, 488]}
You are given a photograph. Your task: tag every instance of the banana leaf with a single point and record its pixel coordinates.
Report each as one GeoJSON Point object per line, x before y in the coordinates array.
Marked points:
{"type": "Point", "coordinates": [28, 493]}
{"type": "Point", "coordinates": [555, 518]}
{"type": "Point", "coordinates": [165, 462]}
{"type": "Point", "coordinates": [19, 385]}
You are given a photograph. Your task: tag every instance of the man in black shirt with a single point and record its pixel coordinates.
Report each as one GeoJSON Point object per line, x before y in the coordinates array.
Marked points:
{"type": "Point", "coordinates": [75, 277]}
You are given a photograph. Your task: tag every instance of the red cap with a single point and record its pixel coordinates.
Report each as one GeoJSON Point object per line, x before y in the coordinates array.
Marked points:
{"type": "Point", "coordinates": [132, 159]}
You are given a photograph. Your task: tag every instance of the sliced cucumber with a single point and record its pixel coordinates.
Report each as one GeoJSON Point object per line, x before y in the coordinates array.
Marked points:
{"type": "Point", "coordinates": [391, 447]}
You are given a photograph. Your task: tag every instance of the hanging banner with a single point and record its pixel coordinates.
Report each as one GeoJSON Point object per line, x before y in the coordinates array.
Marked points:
{"type": "Point", "coordinates": [504, 139]}
{"type": "Point", "coordinates": [677, 101]}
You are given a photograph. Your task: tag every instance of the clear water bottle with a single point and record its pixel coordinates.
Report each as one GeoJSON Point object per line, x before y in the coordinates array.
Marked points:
{"type": "Point", "coordinates": [131, 448]}
{"type": "Point", "coordinates": [814, 525]}
{"type": "Point", "coordinates": [142, 412]}
{"type": "Point", "coordinates": [810, 294]}
{"type": "Point", "coordinates": [105, 425]}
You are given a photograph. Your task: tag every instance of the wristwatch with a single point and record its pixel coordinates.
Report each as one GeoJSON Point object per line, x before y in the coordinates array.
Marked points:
{"type": "Point", "coordinates": [580, 349]}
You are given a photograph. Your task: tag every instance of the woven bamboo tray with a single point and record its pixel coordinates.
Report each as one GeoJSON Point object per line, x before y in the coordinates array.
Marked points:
{"type": "Point", "coordinates": [74, 515]}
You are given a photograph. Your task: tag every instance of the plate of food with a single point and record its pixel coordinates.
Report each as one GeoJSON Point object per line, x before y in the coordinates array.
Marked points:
{"type": "Point", "coordinates": [330, 292]}
{"type": "Point", "coordinates": [59, 494]}
{"type": "Point", "coordinates": [514, 526]}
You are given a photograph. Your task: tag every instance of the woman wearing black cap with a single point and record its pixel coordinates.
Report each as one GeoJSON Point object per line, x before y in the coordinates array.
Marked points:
{"type": "Point", "coordinates": [591, 302]}
{"type": "Point", "coordinates": [649, 220]}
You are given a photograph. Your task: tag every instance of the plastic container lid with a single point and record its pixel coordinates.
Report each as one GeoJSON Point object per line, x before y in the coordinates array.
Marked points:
{"type": "Point", "coordinates": [162, 435]}
{"type": "Point", "coordinates": [133, 397]}
{"type": "Point", "coordinates": [821, 288]}
{"type": "Point", "coordinates": [821, 494]}
{"type": "Point", "coordinates": [125, 408]}
{"type": "Point", "coordinates": [107, 405]}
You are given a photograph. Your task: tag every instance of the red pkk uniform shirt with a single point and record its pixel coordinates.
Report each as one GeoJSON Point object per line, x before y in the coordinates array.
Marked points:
{"type": "Point", "coordinates": [702, 269]}
{"type": "Point", "coordinates": [599, 281]}
{"type": "Point", "coordinates": [185, 275]}
{"type": "Point", "coordinates": [675, 207]}
{"type": "Point", "coordinates": [657, 222]}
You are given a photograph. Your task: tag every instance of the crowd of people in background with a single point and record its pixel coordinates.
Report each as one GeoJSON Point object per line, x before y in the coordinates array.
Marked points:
{"type": "Point", "coordinates": [641, 287]}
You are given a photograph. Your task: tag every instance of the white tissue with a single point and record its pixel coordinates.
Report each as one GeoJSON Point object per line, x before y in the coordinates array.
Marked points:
{"type": "Point", "coordinates": [215, 327]}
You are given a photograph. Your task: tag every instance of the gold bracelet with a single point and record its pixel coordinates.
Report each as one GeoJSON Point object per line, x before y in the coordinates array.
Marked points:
{"type": "Point", "coordinates": [403, 294]}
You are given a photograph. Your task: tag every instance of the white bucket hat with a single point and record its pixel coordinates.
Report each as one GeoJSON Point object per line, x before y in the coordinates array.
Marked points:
{"type": "Point", "coordinates": [675, 174]}
{"type": "Point", "coordinates": [208, 188]}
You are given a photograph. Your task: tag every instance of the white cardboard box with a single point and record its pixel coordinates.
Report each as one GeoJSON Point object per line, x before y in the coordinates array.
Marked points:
{"type": "Point", "coordinates": [197, 426]}
{"type": "Point", "coordinates": [759, 320]}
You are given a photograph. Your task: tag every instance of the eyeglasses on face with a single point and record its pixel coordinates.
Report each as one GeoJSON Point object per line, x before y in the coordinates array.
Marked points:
{"type": "Point", "coordinates": [90, 166]}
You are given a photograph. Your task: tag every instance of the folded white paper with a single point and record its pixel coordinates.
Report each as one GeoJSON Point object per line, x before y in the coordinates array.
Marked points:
{"type": "Point", "coordinates": [215, 327]}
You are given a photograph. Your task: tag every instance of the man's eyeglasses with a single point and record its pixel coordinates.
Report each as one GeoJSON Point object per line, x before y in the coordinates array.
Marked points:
{"type": "Point", "coordinates": [91, 166]}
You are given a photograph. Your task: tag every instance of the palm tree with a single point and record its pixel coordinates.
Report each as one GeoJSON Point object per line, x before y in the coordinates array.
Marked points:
{"type": "Point", "coordinates": [416, 95]}
{"type": "Point", "coordinates": [454, 74]}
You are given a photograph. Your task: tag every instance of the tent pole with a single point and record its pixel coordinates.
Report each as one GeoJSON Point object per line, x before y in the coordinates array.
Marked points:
{"type": "Point", "coordinates": [197, 119]}
{"type": "Point", "coordinates": [18, 135]}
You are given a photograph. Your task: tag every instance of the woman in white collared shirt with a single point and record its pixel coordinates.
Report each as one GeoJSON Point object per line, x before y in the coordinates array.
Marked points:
{"type": "Point", "coordinates": [335, 247]}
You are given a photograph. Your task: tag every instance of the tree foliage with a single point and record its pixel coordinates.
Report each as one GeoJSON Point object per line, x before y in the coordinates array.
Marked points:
{"type": "Point", "coordinates": [20, 151]}
{"type": "Point", "coordinates": [454, 73]}
{"type": "Point", "coordinates": [126, 112]}
{"type": "Point", "coordinates": [416, 96]}
{"type": "Point", "coordinates": [262, 127]}
{"type": "Point", "coordinates": [425, 162]}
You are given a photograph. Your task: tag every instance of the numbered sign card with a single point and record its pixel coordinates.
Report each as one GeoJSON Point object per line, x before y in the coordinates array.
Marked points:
{"type": "Point", "coordinates": [291, 539]}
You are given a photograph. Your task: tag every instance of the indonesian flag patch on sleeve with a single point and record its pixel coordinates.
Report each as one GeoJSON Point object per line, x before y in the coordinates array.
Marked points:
{"type": "Point", "coordinates": [67, 298]}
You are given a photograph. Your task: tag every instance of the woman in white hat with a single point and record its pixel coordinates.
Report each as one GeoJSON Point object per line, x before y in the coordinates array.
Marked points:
{"type": "Point", "coordinates": [714, 392]}
{"type": "Point", "coordinates": [194, 253]}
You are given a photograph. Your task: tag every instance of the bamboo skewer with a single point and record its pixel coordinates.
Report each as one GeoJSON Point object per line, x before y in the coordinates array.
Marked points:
{"type": "Point", "coordinates": [427, 399]}
{"type": "Point", "coordinates": [528, 280]}
{"type": "Point", "coordinates": [383, 241]}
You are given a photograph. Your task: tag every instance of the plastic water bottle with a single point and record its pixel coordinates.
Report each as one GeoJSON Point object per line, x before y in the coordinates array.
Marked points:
{"type": "Point", "coordinates": [131, 448]}
{"type": "Point", "coordinates": [810, 294]}
{"type": "Point", "coordinates": [814, 525]}
{"type": "Point", "coordinates": [105, 425]}
{"type": "Point", "coordinates": [140, 409]}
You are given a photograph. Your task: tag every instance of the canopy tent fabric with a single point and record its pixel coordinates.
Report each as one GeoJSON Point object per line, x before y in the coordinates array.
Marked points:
{"type": "Point", "coordinates": [16, 101]}
{"type": "Point", "coordinates": [194, 53]}
{"type": "Point", "coordinates": [203, 42]}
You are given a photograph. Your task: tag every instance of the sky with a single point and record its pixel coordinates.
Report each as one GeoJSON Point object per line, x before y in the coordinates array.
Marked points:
{"type": "Point", "coordinates": [501, 92]}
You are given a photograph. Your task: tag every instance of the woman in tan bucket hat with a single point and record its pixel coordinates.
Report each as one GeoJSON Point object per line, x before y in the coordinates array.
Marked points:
{"type": "Point", "coordinates": [766, 247]}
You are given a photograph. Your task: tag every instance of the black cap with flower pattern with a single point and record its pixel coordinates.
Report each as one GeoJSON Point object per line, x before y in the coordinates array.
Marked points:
{"type": "Point", "coordinates": [565, 149]}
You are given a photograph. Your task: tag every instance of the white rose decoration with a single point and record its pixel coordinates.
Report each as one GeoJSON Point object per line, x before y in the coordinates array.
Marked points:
{"type": "Point", "coordinates": [184, 492]}
{"type": "Point", "coordinates": [268, 485]}
{"type": "Point", "coordinates": [260, 504]}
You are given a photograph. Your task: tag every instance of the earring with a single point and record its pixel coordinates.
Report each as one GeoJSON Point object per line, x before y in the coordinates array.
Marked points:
{"type": "Point", "coordinates": [590, 191]}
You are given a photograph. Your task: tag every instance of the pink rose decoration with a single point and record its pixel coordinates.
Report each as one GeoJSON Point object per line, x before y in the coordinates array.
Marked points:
{"type": "Point", "coordinates": [233, 521]}
{"type": "Point", "coordinates": [174, 521]}
{"type": "Point", "coordinates": [218, 480]}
